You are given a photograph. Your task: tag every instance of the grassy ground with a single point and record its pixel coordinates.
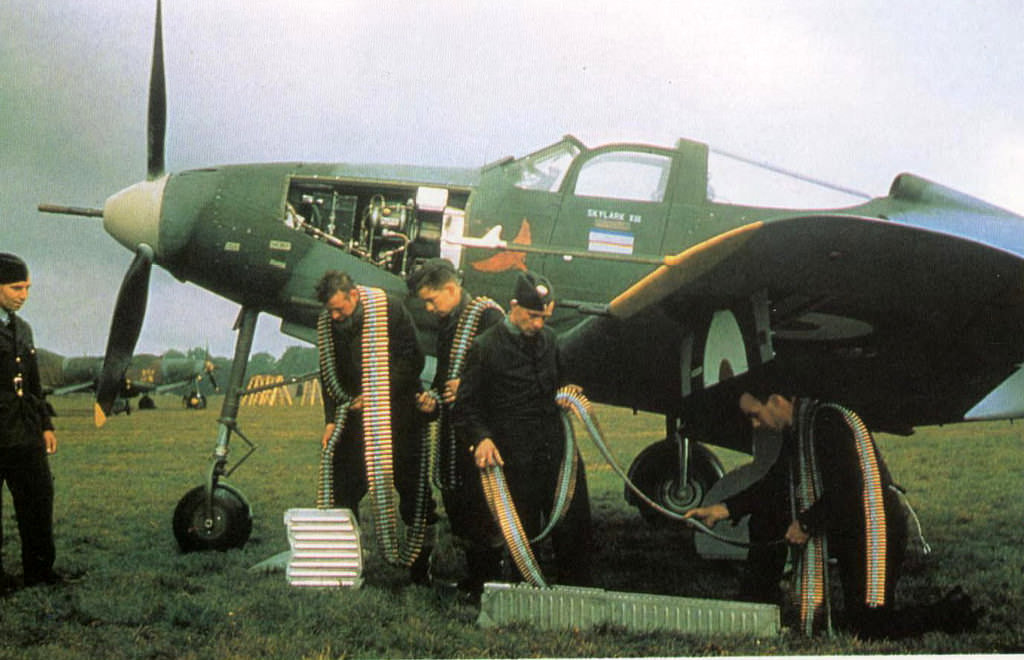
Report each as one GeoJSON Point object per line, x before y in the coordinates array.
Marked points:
{"type": "Point", "coordinates": [133, 595]}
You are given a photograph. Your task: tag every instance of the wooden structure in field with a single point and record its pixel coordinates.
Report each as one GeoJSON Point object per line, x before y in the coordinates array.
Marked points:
{"type": "Point", "coordinates": [311, 394]}
{"type": "Point", "coordinates": [275, 389]}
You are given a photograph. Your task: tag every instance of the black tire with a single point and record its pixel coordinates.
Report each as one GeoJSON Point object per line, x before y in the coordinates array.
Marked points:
{"type": "Point", "coordinates": [146, 403]}
{"type": "Point", "coordinates": [194, 401]}
{"type": "Point", "coordinates": [231, 520]}
{"type": "Point", "coordinates": [655, 471]}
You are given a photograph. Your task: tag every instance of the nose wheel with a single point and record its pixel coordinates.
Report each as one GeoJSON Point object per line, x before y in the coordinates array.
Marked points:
{"type": "Point", "coordinates": [220, 522]}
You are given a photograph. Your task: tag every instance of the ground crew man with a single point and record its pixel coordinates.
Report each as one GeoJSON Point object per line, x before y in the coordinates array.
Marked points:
{"type": "Point", "coordinates": [830, 474]}
{"type": "Point", "coordinates": [507, 415]}
{"type": "Point", "coordinates": [436, 283]}
{"type": "Point", "coordinates": [26, 432]}
{"type": "Point", "coordinates": [343, 301]}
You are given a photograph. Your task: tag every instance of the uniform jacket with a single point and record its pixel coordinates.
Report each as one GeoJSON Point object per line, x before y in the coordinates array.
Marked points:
{"type": "Point", "coordinates": [446, 337]}
{"type": "Point", "coordinates": [508, 394]}
{"type": "Point", "coordinates": [839, 510]}
{"type": "Point", "coordinates": [406, 360]}
{"type": "Point", "coordinates": [22, 418]}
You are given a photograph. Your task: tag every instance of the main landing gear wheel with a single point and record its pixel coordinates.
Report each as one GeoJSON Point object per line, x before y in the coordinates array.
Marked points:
{"type": "Point", "coordinates": [655, 471]}
{"type": "Point", "coordinates": [194, 401]}
{"type": "Point", "coordinates": [228, 526]}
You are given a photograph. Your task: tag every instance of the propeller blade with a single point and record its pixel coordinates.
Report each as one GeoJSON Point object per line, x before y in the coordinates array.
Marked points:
{"type": "Point", "coordinates": [129, 312]}
{"type": "Point", "coordinates": [157, 103]}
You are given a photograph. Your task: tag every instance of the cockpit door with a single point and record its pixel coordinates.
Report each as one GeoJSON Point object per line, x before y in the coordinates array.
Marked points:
{"type": "Point", "coordinates": [616, 202]}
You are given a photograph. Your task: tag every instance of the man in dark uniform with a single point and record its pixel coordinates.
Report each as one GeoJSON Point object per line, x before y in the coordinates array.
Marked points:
{"type": "Point", "coordinates": [436, 283]}
{"type": "Point", "coordinates": [26, 432]}
{"type": "Point", "coordinates": [343, 301]}
{"type": "Point", "coordinates": [507, 415]}
{"type": "Point", "coordinates": [856, 508]}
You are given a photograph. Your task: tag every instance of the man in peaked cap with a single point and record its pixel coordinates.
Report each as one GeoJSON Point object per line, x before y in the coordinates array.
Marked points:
{"type": "Point", "coordinates": [26, 432]}
{"type": "Point", "coordinates": [507, 416]}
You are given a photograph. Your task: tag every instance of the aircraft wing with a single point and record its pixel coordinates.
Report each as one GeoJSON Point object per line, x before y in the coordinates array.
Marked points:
{"type": "Point", "coordinates": [170, 387]}
{"type": "Point", "coordinates": [906, 324]}
{"type": "Point", "coordinates": [135, 388]}
{"type": "Point", "coordinates": [73, 388]}
{"type": "Point", "coordinates": [853, 262]}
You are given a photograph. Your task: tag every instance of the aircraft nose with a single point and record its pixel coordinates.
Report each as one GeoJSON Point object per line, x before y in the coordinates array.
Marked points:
{"type": "Point", "coordinates": [132, 216]}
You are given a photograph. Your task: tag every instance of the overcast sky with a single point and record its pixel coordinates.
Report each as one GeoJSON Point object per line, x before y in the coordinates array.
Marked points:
{"type": "Point", "coordinates": [850, 92]}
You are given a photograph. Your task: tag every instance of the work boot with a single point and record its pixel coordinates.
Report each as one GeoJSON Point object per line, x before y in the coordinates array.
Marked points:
{"type": "Point", "coordinates": [419, 571]}
{"type": "Point", "coordinates": [7, 584]}
{"type": "Point", "coordinates": [955, 612]}
{"type": "Point", "coordinates": [482, 566]}
{"type": "Point", "coordinates": [48, 577]}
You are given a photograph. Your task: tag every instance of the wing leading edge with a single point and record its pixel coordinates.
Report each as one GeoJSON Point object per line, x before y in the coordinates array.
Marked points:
{"type": "Point", "coordinates": [909, 325]}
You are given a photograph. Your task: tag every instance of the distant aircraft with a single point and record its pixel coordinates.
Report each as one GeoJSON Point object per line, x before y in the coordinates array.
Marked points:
{"type": "Point", "coordinates": [908, 308]}
{"type": "Point", "coordinates": [145, 375]}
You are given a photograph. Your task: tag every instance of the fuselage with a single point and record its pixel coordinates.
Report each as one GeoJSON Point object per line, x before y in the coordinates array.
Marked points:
{"type": "Point", "coordinates": [261, 235]}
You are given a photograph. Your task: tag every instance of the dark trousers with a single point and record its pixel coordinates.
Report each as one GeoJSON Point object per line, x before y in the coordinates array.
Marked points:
{"type": "Point", "coordinates": [850, 554]}
{"type": "Point", "coordinates": [27, 475]}
{"type": "Point", "coordinates": [350, 484]}
{"type": "Point", "coordinates": [468, 514]}
{"type": "Point", "coordinates": [533, 490]}
{"type": "Point", "coordinates": [765, 561]}
{"type": "Point", "coordinates": [765, 564]}
{"type": "Point", "coordinates": [473, 525]}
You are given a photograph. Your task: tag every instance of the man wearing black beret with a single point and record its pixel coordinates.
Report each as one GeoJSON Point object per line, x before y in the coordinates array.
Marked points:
{"type": "Point", "coordinates": [507, 415]}
{"type": "Point", "coordinates": [26, 432]}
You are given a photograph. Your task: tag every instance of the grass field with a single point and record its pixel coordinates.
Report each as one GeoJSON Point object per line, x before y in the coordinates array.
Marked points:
{"type": "Point", "coordinates": [133, 595]}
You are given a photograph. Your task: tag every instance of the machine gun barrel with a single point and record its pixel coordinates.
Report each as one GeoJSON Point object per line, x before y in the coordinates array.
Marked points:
{"type": "Point", "coordinates": [71, 210]}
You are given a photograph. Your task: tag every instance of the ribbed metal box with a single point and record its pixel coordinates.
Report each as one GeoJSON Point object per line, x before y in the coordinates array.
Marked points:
{"type": "Point", "coordinates": [580, 607]}
{"type": "Point", "coordinates": [325, 548]}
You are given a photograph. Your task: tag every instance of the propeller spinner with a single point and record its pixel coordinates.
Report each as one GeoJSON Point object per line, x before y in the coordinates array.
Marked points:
{"type": "Point", "coordinates": [132, 216]}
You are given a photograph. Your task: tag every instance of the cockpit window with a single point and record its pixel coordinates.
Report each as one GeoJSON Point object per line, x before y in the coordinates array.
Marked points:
{"type": "Point", "coordinates": [546, 169]}
{"type": "Point", "coordinates": [631, 175]}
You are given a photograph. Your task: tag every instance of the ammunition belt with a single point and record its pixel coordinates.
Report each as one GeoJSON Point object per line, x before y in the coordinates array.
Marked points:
{"type": "Point", "coordinates": [576, 404]}
{"type": "Point", "coordinates": [583, 411]}
{"type": "Point", "coordinates": [447, 476]}
{"type": "Point", "coordinates": [377, 441]}
{"type": "Point", "coordinates": [812, 582]}
{"type": "Point", "coordinates": [499, 500]}
{"type": "Point", "coordinates": [812, 569]}
{"type": "Point", "coordinates": [377, 435]}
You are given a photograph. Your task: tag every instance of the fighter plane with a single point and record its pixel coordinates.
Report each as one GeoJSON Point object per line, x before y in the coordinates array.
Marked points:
{"type": "Point", "coordinates": [145, 375]}
{"type": "Point", "coordinates": [908, 307]}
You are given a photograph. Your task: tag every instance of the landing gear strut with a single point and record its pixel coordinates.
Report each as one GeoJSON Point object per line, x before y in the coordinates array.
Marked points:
{"type": "Point", "coordinates": [676, 473]}
{"type": "Point", "coordinates": [216, 516]}
{"type": "Point", "coordinates": [218, 523]}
